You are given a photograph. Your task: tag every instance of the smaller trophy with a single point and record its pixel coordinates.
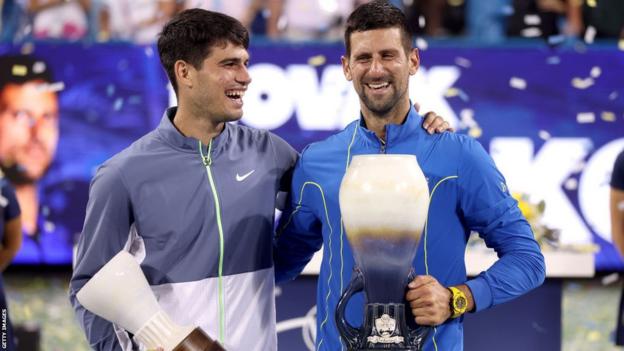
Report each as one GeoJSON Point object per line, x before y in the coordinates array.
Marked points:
{"type": "Point", "coordinates": [119, 293]}
{"type": "Point", "coordinates": [384, 201]}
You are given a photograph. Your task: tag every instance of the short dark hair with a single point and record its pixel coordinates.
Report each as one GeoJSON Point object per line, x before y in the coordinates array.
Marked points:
{"type": "Point", "coordinates": [20, 69]}
{"type": "Point", "coordinates": [191, 34]}
{"type": "Point", "coordinates": [377, 14]}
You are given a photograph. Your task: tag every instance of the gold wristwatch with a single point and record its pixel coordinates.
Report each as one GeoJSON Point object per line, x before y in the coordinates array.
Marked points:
{"type": "Point", "coordinates": [458, 302]}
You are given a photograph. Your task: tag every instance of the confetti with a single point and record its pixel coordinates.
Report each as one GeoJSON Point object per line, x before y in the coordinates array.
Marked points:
{"type": "Point", "coordinates": [591, 3]}
{"type": "Point", "coordinates": [610, 279]}
{"type": "Point", "coordinates": [544, 135]}
{"type": "Point", "coordinates": [467, 118]}
{"type": "Point", "coordinates": [19, 70]}
{"type": "Point", "coordinates": [421, 44]}
{"type": "Point", "coordinates": [580, 83]}
{"type": "Point", "coordinates": [532, 20]}
{"type": "Point", "coordinates": [531, 32]}
{"type": "Point", "coordinates": [593, 336]}
{"type": "Point", "coordinates": [149, 52]}
{"type": "Point", "coordinates": [39, 67]}
{"type": "Point", "coordinates": [317, 60]}
{"type": "Point", "coordinates": [463, 62]}
{"type": "Point", "coordinates": [27, 48]}
{"type": "Point", "coordinates": [48, 226]}
{"type": "Point", "coordinates": [571, 184]}
{"type": "Point", "coordinates": [607, 116]}
{"type": "Point", "coordinates": [475, 132]}
{"type": "Point", "coordinates": [590, 34]}
{"type": "Point", "coordinates": [517, 83]}
{"type": "Point", "coordinates": [421, 21]}
{"type": "Point", "coordinates": [595, 72]}
{"type": "Point", "coordinates": [586, 117]}
{"type": "Point", "coordinates": [556, 39]}
{"type": "Point", "coordinates": [110, 90]}
{"type": "Point", "coordinates": [613, 95]}
{"type": "Point", "coordinates": [51, 87]}
{"type": "Point", "coordinates": [621, 44]}
{"type": "Point", "coordinates": [118, 104]}
{"type": "Point", "coordinates": [553, 60]}
{"type": "Point", "coordinates": [451, 92]}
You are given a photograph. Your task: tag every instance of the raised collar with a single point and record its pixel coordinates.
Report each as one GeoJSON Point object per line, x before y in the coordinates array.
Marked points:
{"type": "Point", "coordinates": [172, 135]}
{"type": "Point", "coordinates": [410, 128]}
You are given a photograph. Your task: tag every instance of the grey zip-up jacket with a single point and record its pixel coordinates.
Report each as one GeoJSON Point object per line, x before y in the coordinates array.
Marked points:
{"type": "Point", "coordinates": [200, 224]}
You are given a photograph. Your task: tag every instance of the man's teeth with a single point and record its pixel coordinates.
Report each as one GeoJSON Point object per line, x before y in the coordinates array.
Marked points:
{"type": "Point", "coordinates": [378, 85]}
{"type": "Point", "coordinates": [235, 94]}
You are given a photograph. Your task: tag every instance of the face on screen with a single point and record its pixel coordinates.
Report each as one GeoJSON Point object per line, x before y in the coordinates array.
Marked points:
{"type": "Point", "coordinates": [28, 130]}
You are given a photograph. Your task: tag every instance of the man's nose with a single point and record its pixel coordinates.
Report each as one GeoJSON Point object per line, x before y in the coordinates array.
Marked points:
{"type": "Point", "coordinates": [376, 67]}
{"type": "Point", "coordinates": [244, 77]}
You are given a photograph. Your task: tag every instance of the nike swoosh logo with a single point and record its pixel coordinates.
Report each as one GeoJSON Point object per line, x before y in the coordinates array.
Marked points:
{"type": "Point", "coordinates": [240, 178]}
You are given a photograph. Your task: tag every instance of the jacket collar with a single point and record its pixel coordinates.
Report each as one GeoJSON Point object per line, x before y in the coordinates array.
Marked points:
{"type": "Point", "coordinates": [172, 135]}
{"type": "Point", "coordinates": [395, 133]}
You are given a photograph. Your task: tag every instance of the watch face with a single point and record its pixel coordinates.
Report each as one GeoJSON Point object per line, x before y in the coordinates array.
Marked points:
{"type": "Point", "coordinates": [460, 303]}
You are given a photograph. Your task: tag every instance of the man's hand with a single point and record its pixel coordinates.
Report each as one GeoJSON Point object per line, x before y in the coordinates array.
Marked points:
{"type": "Point", "coordinates": [429, 300]}
{"type": "Point", "coordinates": [434, 123]}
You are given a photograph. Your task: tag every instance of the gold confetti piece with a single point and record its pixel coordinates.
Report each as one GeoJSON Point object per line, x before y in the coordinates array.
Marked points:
{"type": "Point", "coordinates": [593, 335]}
{"type": "Point", "coordinates": [451, 92]}
{"type": "Point", "coordinates": [607, 116]}
{"type": "Point", "coordinates": [317, 60]}
{"type": "Point", "coordinates": [475, 132]}
{"type": "Point", "coordinates": [544, 135]}
{"type": "Point", "coordinates": [517, 83]}
{"type": "Point", "coordinates": [595, 72]}
{"type": "Point", "coordinates": [591, 3]}
{"type": "Point", "coordinates": [586, 117]}
{"type": "Point", "coordinates": [19, 70]}
{"type": "Point", "coordinates": [580, 83]}
{"type": "Point", "coordinates": [621, 44]}
{"type": "Point", "coordinates": [27, 48]}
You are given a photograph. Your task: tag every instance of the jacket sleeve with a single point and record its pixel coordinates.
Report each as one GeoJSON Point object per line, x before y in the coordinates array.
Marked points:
{"type": "Point", "coordinates": [490, 210]}
{"type": "Point", "coordinates": [105, 232]}
{"type": "Point", "coordinates": [299, 233]}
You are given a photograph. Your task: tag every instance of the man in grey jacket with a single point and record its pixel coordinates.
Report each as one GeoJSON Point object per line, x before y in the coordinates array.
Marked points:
{"type": "Point", "coordinates": [194, 199]}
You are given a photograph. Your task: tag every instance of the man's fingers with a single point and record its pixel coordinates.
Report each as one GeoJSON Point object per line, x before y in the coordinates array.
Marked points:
{"type": "Point", "coordinates": [421, 280]}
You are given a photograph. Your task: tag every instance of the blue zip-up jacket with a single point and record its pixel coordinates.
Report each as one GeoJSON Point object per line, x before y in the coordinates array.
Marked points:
{"type": "Point", "coordinates": [468, 194]}
{"type": "Point", "coordinates": [201, 225]}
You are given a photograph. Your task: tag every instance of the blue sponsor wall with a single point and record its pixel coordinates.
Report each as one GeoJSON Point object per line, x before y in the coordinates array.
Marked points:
{"type": "Point", "coordinates": [552, 118]}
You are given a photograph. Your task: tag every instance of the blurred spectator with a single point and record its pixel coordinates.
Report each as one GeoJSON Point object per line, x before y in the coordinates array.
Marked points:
{"type": "Point", "coordinates": [545, 18]}
{"type": "Point", "coordinates": [57, 19]}
{"type": "Point", "coordinates": [243, 10]}
{"type": "Point", "coordinates": [487, 20]}
{"type": "Point", "coordinates": [616, 206]}
{"type": "Point", "coordinates": [138, 21]}
{"type": "Point", "coordinates": [308, 20]}
{"type": "Point", "coordinates": [606, 17]}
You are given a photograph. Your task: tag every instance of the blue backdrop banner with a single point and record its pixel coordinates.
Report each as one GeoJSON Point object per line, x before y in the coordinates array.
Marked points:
{"type": "Point", "coordinates": [552, 119]}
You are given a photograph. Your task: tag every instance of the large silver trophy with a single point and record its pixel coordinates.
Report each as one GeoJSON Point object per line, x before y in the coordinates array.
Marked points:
{"type": "Point", "coordinates": [384, 200]}
{"type": "Point", "coordinates": [119, 293]}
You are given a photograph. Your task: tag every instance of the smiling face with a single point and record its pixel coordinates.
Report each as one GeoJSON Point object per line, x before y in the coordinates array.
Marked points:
{"type": "Point", "coordinates": [217, 88]}
{"type": "Point", "coordinates": [28, 130]}
{"type": "Point", "coordinates": [379, 68]}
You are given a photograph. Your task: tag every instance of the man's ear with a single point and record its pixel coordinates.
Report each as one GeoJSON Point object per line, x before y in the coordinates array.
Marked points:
{"type": "Point", "coordinates": [345, 68]}
{"type": "Point", "coordinates": [182, 71]}
{"type": "Point", "coordinates": [414, 61]}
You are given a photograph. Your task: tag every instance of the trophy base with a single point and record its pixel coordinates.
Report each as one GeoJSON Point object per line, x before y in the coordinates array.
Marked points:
{"type": "Point", "coordinates": [197, 340]}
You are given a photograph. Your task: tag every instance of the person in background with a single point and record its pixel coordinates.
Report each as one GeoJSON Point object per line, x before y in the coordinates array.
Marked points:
{"type": "Point", "coordinates": [137, 21]}
{"type": "Point", "coordinates": [617, 231]}
{"type": "Point", "coordinates": [29, 135]}
{"type": "Point", "coordinates": [11, 239]}
{"type": "Point", "coordinates": [58, 19]}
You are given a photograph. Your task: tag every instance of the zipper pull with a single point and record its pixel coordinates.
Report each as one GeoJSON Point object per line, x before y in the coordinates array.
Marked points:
{"type": "Point", "coordinates": [207, 161]}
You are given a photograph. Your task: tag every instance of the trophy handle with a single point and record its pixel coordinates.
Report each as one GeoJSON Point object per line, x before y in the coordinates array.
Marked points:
{"type": "Point", "coordinates": [349, 333]}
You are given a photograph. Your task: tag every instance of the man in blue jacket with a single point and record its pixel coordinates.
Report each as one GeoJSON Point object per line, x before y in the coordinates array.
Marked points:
{"type": "Point", "coordinates": [467, 192]}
